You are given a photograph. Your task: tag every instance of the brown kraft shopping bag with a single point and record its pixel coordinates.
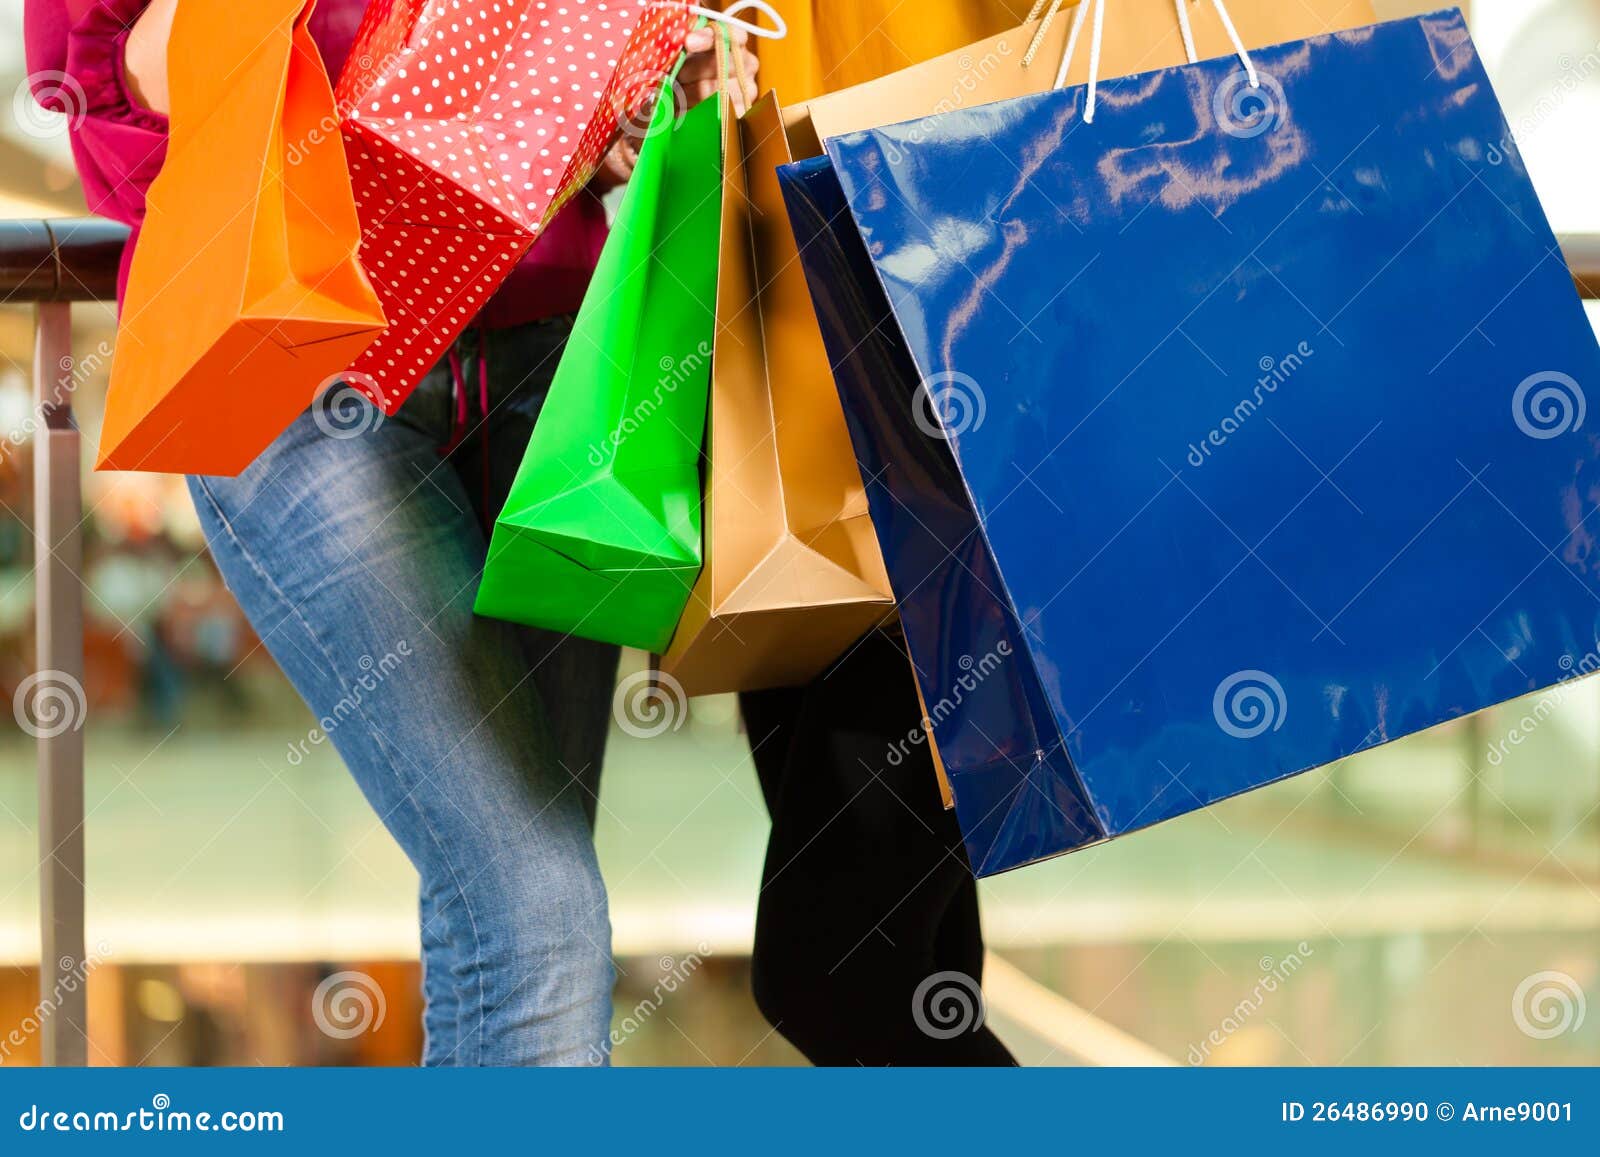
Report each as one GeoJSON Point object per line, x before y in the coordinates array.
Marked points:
{"type": "Point", "coordinates": [793, 575]}
{"type": "Point", "coordinates": [1145, 35]}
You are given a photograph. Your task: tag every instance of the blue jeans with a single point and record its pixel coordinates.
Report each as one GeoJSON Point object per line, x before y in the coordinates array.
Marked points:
{"type": "Point", "coordinates": [355, 550]}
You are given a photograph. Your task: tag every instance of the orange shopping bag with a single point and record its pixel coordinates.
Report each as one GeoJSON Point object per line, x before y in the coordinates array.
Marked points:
{"type": "Point", "coordinates": [244, 296]}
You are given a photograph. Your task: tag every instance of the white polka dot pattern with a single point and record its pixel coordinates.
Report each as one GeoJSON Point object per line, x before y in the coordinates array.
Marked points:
{"type": "Point", "coordinates": [467, 124]}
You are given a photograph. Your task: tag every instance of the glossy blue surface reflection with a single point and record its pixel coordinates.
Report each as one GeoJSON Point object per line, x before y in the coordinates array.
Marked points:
{"type": "Point", "coordinates": [1264, 435]}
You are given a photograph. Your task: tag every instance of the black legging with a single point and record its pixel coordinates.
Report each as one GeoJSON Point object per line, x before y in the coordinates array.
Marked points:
{"type": "Point", "coordinates": [866, 891]}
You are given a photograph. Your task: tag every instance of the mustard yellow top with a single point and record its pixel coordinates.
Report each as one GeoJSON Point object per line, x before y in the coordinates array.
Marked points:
{"type": "Point", "coordinates": [834, 44]}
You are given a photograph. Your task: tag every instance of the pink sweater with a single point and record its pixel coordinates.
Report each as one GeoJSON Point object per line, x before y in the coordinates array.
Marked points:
{"type": "Point", "coordinates": [119, 146]}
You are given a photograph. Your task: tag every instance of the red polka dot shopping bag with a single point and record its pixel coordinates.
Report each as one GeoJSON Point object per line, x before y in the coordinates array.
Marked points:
{"type": "Point", "coordinates": [468, 124]}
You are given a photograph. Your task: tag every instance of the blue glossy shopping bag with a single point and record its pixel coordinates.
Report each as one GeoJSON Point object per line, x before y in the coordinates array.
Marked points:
{"type": "Point", "coordinates": [1234, 432]}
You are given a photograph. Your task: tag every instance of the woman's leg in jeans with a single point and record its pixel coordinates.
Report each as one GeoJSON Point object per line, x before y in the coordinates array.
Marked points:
{"type": "Point", "coordinates": [575, 677]}
{"type": "Point", "coordinates": [866, 891]}
{"type": "Point", "coordinates": [356, 559]}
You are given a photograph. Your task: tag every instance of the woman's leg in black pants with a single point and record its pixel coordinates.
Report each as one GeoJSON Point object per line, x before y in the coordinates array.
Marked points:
{"type": "Point", "coordinates": [866, 891]}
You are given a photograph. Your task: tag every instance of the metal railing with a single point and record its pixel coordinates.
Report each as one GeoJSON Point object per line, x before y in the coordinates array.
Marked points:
{"type": "Point", "coordinates": [51, 264]}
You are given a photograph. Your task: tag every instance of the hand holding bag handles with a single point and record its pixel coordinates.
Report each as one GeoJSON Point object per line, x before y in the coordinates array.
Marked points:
{"type": "Point", "coordinates": [729, 16]}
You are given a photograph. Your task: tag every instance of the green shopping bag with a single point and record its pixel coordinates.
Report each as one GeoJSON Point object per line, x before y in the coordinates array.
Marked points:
{"type": "Point", "coordinates": [600, 536]}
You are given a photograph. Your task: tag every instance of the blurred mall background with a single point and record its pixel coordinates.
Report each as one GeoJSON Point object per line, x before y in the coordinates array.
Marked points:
{"type": "Point", "coordinates": [1424, 903]}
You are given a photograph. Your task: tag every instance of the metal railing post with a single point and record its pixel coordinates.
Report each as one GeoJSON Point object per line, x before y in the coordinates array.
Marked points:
{"type": "Point", "coordinates": [52, 264]}
{"type": "Point", "coordinates": [58, 603]}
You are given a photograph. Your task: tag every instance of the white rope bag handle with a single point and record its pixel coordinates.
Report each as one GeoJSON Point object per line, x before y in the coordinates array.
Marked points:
{"type": "Point", "coordinates": [1099, 7]}
{"type": "Point", "coordinates": [729, 16]}
{"type": "Point", "coordinates": [1233, 35]}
